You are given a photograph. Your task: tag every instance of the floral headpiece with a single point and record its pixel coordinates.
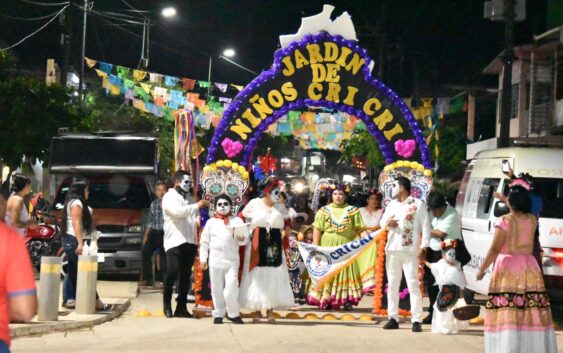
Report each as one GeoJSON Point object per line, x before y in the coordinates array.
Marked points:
{"type": "Point", "coordinates": [524, 180]}
{"type": "Point", "coordinates": [329, 189]}
{"type": "Point", "coordinates": [268, 183]}
{"type": "Point", "coordinates": [448, 243]}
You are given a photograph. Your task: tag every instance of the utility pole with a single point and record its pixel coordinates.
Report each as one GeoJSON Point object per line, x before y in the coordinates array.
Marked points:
{"type": "Point", "coordinates": [507, 59]}
{"type": "Point", "coordinates": [82, 54]}
{"type": "Point", "coordinates": [66, 39]}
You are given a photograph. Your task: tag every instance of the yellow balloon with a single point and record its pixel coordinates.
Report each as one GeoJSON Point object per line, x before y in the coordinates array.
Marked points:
{"type": "Point", "coordinates": [407, 164]}
{"type": "Point", "coordinates": [235, 165]}
{"type": "Point", "coordinates": [414, 165]}
{"type": "Point", "coordinates": [428, 172]}
{"type": "Point", "coordinates": [420, 168]}
{"type": "Point", "coordinates": [228, 163]}
{"type": "Point", "coordinates": [245, 175]}
{"type": "Point", "coordinates": [220, 164]}
{"type": "Point", "coordinates": [206, 168]}
{"type": "Point", "coordinates": [213, 168]}
{"type": "Point", "coordinates": [241, 169]}
{"type": "Point", "coordinates": [400, 164]}
{"type": "Point", "coordinates": [387, 168]}
{"type": "Point", "coordinates": [393, 165]}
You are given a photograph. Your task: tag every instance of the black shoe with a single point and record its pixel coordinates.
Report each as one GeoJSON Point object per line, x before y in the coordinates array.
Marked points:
{"type": "Point", "coordinates": [416, 327]}
{"type": "Point", "coordinates": [236, 320]}
{"type": "Point", "coordinates": [391, 325]}
{"type": "Point", "coordinates": [218, 320]}
{"type": "Point", "coordinates": [182, 311]}
{"type": "Point", "coordinates": [168, 311]}
{"type": "Point", "coordinates": [427, 320]}
{"type": "Point", "coordinates": [348, 306]}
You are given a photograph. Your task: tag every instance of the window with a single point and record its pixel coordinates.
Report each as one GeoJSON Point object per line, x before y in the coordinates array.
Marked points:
{"type": "Point", "coordinates": [485, 203]}
{"type": "Point", "coordinates": [551, 192]}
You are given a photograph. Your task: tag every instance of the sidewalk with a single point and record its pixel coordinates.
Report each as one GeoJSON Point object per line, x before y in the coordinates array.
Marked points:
{"type": "Point", "coordinates": [117, 293]}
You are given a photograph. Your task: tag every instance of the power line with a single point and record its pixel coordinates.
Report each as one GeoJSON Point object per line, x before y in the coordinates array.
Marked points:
{"type": "Point", "coordinates": [37, 31]}
{"type": "Point", "coordinates": [45, 3]}
{"type": "Point", "coordinates": [29, 19]}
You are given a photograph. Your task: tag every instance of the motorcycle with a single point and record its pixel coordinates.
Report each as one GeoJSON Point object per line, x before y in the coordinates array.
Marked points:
{"type": "Point", "coordinates": [43, 238]}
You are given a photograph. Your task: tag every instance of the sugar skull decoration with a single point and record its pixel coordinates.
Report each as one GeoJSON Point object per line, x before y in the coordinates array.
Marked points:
{"type": "Point", "coordinates": [421, 180]}
{"type": "Point", "coordinates": [225, 177]}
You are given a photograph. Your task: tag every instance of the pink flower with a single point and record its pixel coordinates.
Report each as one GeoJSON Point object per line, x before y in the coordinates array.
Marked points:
{"type": "Point", "coordinates": [543, 301]}
{"type": "Point", "coordinates": [409, 217]}
{"type": "Point", "coordinates": [518, 301]}
{"type": "Point", "coordinates": [503, 301]}
{"type": "Point", "coordinates": [496, 301]}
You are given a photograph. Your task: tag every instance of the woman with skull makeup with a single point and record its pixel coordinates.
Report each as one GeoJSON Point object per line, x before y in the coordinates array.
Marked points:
{"type": "Point", "coordinates": [336, 224]}
{"type": "Point", "coordinates": [265, 283]}
{"type": "Point", "coordinates": [219, 250]}
{"type": "Point", "coordinates": [180, 212]}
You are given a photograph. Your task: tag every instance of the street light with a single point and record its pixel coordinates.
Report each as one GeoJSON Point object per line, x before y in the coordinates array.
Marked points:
{"type": "Point", "coordinates": [229, 52]}
{"type": "Point", "coordinates": [168, 12]}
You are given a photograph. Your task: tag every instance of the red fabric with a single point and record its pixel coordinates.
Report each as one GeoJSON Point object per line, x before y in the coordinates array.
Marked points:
{"type": "Point", "coordinates": [224, 218]}
{"type": "Point", "coordinates": [16, 274]}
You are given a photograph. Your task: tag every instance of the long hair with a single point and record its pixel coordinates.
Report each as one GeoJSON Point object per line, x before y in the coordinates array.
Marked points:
{"type": "Point", "coordinates": [19, 182]}
{"type": "Point", "coordinates": [76, 191]}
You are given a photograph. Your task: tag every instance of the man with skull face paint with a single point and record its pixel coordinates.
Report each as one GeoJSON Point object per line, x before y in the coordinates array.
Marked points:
{"type": "Point", "coordinates": [406, 218]}
{"type": "Point", "coordinates": [219, 250]}
{"type": "Point", "coordinates": [180, 213]}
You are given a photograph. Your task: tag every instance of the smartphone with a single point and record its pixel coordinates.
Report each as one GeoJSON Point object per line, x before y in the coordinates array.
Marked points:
{"type": "Point", "coordinates": [505, 166]}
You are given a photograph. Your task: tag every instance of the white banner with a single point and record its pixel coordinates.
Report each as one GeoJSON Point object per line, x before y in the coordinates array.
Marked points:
{"type": "Point", "coordinates": [323, 263]}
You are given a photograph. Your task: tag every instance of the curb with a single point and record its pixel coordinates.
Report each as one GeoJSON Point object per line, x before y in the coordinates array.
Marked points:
{"type": "Point", "coordinates": [57, 326]}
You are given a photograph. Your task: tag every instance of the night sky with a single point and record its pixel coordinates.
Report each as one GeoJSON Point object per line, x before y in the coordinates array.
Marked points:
{"type": "Point", "coordinates": [439, 42]}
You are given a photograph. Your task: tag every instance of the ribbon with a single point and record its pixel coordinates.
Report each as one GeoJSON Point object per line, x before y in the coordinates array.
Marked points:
{"type": "Point", "coordinates": [90, 62]}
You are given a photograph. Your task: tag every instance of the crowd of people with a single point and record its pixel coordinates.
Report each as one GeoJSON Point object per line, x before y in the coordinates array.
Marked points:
{"type": "Point", "coordinates": [268, 273]}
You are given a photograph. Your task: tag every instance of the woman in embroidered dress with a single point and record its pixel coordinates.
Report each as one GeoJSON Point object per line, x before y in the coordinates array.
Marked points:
{"type": "Point", "coordinates": [337, 224]}
{"type": "Point", "coordinates": [372, 212]}
{"type": "Point", "coordinates": [265, 283]}
{"type": "Point", "coordinates": [518, 314]}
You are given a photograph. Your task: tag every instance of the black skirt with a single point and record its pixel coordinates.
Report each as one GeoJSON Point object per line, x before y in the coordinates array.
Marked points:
{"type": "Point", "coordinates": [270, 247]}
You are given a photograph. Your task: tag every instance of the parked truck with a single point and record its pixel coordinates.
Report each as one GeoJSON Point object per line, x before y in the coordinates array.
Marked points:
{"type": "Point", "coordinates": [122, 170]}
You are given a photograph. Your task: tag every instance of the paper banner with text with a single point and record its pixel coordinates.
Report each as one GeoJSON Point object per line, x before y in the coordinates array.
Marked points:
{"type": "Point", "coordinates": [323, 263]}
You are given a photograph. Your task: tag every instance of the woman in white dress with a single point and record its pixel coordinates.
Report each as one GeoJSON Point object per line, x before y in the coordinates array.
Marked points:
{"type": "Point", "coordinates": [371, 213]}
{"type": "Point", "coordinates": [265, 283]}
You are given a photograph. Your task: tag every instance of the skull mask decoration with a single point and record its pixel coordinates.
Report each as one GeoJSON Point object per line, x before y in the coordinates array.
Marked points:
{"type": "Point", "coordinates": [223, 206]}
{"type": "Point", "coordinates": [395, 190]}
{"type": "Point", "coordinates": [186, 183]}
{"type": "Point", "coordinates": [275, 194]}
{"type": "Point", "coordinates": [449, 255]}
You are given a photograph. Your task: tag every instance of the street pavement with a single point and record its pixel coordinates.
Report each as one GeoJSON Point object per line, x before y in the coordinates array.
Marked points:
{"type": "Point", "coordinates": [134, 331]}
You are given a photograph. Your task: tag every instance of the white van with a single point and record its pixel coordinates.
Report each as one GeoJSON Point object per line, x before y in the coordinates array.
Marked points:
{"type": "Point", "coordinates": [476, 206]}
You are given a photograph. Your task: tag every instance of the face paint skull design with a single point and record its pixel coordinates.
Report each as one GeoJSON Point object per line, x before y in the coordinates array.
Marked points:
{"type": "Point", "coordinates": [275, 194]}
{"type": "Point", "coordinates": [395, 190]}
{"type": "Point", "coordinates": [186, 183]}
{"type": "Point", "coordinates": [223, 207]}
{"type": "Point", "coordinates": [450, 255]}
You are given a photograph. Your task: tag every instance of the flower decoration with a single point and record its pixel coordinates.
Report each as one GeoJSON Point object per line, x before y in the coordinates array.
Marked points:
{"type": "Point", "coordinates": [268, 163]}
{"type": "Point", "coordinates": [448, 243]}
{"type": "Point", "coordinates": [258, 172]}
{"type": "Point", "coordinates": [406, 148]}
{"type": "Point", "coordinates": [523, 180]}
{"type": "Point", "coordinates": [231, 148]}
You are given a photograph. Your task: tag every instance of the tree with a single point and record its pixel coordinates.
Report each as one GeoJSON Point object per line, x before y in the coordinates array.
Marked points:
{"type": "Point", "coordinates": [362, 143]}
{"type": "Point", "coordinates": [452, 146]}
{"type": "Point", "coordinates": [30, 114]}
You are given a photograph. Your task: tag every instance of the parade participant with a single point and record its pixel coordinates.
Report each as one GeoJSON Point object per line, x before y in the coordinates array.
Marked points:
{"type": "Point", "coordinates": [154, 236]}
{"type": "Point", "coordinates": [290, 210]}
{"type": "Point", "coordinates": [180, 213]}
{"type": "Point", "coordinates": [445, 225]}
{"type": "Point", "coordinates": [450, 281]}
{"type": "Point", "coordinates": [406, 218]}
{"type": "Point", "coordinates": [17, 215]}
{"type": "Point", "coordinates": [265, 284]}
{"type": "Point", "coordinates": [18, 297]}
{"type": "Point", "coordinates": [336, 224]}
{"type": "Point", "coordinates": [372, 212]}
{"type": "Point", "coordinates": [518, 313]}
{"type": "Point", "coordinates": [219, 251]}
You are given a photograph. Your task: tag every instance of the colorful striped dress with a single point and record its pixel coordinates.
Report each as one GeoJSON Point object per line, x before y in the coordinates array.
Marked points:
{"type": "Point", "coordinates": [518, 313]}
{"type": "Point", "coordinates": [340, 225]}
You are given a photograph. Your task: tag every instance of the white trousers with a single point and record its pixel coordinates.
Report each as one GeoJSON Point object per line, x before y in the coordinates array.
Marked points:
{"type": "Point", "coordinates": [224, 290]}
{"type": "Point", "coordinates": [395, 264]}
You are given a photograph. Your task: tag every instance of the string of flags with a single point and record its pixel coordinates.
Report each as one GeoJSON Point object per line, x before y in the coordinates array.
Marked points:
{"type": "Point", "coordinates": [164, 96]}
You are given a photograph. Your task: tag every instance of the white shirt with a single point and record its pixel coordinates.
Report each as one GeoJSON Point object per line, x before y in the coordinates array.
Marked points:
{"type": "Point", "coordinates": [445, 274]}
{"type": "Point", "coordinates": [218, 245]}
{"type": "Point", "coordinates": [448, 223]}
{"type": "Point", "coordinates": [371, 219]}
{"type": "Point", "coordinates": [262, 216]}
{"type": "Point", "coordinates": [69, 226]}
{"type": "Point", "coordinates": [180, 219]}
{"type": "Point", "coordinates": [406, 236]}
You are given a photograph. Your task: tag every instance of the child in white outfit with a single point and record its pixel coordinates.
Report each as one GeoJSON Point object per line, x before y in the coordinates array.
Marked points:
{"type": "Point", "coordinates": [219, 250]}
{"type": "Point", "coordinates": [449, 276]}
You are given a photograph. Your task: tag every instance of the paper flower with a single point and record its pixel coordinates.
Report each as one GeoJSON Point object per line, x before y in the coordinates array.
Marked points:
{"type": "Point", "coordinates": [231, 148]}
{"type": "Point", "coordinates": [406, 148]}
